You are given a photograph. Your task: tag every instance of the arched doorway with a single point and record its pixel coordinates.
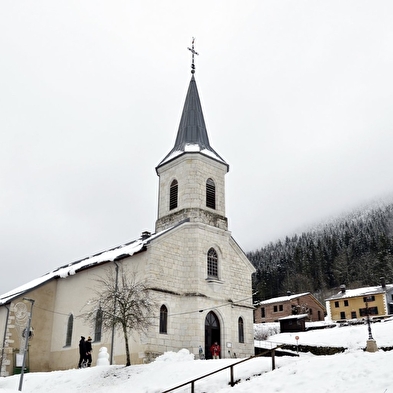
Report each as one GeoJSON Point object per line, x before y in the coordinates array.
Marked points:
{"type": "Point", "coordinates": [212, 332]}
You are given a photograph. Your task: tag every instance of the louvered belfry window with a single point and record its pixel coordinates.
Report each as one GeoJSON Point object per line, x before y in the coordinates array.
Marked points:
{"type": "Point", "coordinates": [210, 194]}
{"type": "Point", "coordinates": [212, 263]}
{"type": "Point", "coordinates": [173, 195]}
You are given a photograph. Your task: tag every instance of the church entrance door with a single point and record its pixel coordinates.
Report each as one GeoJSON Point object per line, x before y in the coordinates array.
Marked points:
{"type": "Point", "coordinates": [212, 332]}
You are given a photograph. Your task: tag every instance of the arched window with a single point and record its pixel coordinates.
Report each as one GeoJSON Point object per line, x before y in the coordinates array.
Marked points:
{"type": "Point", "coordinates": [70, 325]}
{"type": "Point", "coordinates": [210, 194]}
{"type": "Point", "coordinates": [98, 326]}
{"type": "Point", "coordinates": [212, 263]}
{"type": "Point", "coordinates": [240, 326]}
{"type": "Point", "coordinates": [173, 195]}
{"type": "Point", "coordinates": [163, 319]}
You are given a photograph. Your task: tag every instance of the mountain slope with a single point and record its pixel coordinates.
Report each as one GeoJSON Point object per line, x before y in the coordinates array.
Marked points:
{"type": "Point", "coordinates": [355, 250]}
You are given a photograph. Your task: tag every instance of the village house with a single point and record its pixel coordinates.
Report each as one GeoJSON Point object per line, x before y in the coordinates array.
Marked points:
{"type": "Point", "coordinates": [196, 271]}
{"type": "Point", "coordinates": [356, 304]}
{"type": "Point", "coordinates": [271, 310]}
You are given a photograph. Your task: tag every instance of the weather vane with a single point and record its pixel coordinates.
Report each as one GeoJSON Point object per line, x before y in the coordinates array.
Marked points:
{"type": "Point", "coordinates": [193, 53]}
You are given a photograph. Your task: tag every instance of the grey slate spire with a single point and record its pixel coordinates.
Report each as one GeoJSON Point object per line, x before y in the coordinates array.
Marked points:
{"type": "Point", "coordinates": [192, 134]}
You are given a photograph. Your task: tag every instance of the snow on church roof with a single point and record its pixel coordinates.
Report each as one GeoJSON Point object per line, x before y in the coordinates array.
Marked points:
{"type": "Point", "coordinates": [191, 148]}
{"type": "Point", "coordinates": [113, 254]}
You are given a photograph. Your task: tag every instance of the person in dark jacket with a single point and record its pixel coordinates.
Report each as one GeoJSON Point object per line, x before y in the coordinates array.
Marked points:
{"type": "Point", "coordinates": [82, 351]}
{"type": "Point", "coordinates": [88, 351]}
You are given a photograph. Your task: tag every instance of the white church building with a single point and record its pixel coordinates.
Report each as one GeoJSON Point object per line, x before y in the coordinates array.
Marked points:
{"type": "Point", "coordinates": [198, 274]}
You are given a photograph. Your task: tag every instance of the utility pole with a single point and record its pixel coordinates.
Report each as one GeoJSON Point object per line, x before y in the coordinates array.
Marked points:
{"type": "Point", "coordinates": [27, 336]}
{"type": "Point", "coordinates": [114, 311]}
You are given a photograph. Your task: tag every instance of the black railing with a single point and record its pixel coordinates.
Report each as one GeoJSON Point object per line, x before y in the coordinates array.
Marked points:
{"type": "Point", "coordinates": [232, 381]}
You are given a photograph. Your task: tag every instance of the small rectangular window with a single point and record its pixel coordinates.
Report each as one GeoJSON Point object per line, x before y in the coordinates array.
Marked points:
{"type": "Point", "coordinates": [370, 298]}
{"type": "Point", "coordinates": [262, 312]}
{"type": "Point", "coordinates": [371, 311]}
{"type": "Point", "coordinates": [280, 307]}
{"type": "Point", "coordinates": [342, 315]}
{"type": "Point", "coordinates": [337, 304]}
{"type": "Point", "coordinates": [274, 308]}
{"type": "Point", "coordinates": [346, 303]}
{"type": "Point", "coordinates": [353, 314]}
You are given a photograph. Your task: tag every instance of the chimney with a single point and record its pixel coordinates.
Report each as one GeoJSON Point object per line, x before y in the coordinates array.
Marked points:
{"type": "Point", "coordinates": [342, 287]}
{"type": "Point", "coordinates": [383, 282]}
{"type": "Point", "coordinates": [145, 235]}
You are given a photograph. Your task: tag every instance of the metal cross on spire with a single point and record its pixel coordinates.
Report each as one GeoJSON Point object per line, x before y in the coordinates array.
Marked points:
{"type": "Point", "coordinates": [193, 53]}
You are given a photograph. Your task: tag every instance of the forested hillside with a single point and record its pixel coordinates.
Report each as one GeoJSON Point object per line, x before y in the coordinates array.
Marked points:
{"type": "Point", "coordinates": [356, 250]}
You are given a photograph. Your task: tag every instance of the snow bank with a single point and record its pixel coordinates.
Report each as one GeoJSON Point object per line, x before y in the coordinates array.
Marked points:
{"type": "Point", "coordinates": [183, 355]}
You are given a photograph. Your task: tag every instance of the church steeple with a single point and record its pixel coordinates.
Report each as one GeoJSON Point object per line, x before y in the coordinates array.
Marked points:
{"type": "Point", "coordinates": [192, 133]}
{"type": "Point", "coordinates": [192, 174]}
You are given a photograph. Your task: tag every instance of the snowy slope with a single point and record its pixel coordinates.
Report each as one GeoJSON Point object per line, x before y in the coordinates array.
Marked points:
{"type": "Point", "coordinates": [353, 371]}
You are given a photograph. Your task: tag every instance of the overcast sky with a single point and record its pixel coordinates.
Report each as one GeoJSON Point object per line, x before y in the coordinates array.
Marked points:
{"type": "Point", "coordinates": [297, 98]}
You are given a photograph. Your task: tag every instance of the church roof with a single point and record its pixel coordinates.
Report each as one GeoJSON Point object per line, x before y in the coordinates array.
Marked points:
{"type": "Point", "coordinates": [113, 254]}
{"type": "Point", "coordinates": [192, 134]}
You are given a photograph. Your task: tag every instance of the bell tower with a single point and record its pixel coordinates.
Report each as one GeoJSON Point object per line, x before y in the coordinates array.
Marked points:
{"type": "Point", "coordinates": [192, 174]}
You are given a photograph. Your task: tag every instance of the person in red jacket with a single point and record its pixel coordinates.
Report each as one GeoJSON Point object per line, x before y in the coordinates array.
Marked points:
{"type": "Point", "coordinates": [215, 350]}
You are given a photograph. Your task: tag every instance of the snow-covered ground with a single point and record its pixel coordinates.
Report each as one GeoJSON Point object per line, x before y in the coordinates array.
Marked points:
{"type": "Point", "coordinates": [352, 371]}
{"type": "Point", "coordinates": [351, 337]}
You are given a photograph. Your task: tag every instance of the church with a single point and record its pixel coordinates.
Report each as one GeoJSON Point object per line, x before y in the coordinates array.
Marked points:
{"type": "Point", "coordinates": [199, 275]}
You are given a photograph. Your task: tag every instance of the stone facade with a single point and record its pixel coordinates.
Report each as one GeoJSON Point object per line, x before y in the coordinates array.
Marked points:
{"type": "Point", "coordinates": [190, 294]}
{"type": "Point", "coordinates": [15, 324]}
{"type": "Point", "coordinates": [191, 170]}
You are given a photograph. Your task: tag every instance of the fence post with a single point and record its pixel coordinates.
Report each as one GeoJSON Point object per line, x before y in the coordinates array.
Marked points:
{"type": "Point", "coordinates": [273, 359]}
{"type": "Point", "coordinates": [232, 379]}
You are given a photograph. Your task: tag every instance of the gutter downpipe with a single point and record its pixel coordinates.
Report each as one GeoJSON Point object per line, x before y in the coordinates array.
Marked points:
{"type": "Point", "coordinates": [114, 312]}
{"type": "Point", "coordinates": [4, 338]}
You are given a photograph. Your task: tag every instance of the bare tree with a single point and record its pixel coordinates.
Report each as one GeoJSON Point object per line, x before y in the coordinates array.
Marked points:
{"type": "Point", "coordinates": [124, 302]}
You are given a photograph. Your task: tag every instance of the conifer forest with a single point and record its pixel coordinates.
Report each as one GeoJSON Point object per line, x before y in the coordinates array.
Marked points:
{"type": "Point", "coordinates": [355, 251]}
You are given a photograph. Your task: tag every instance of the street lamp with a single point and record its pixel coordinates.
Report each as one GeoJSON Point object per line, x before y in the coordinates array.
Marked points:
{"type": "Point", "coordinates": [370, 336]}
{"type": "Point", "coordinates": [371, 343]}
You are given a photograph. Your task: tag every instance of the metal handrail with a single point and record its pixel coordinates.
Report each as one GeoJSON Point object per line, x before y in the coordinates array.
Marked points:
{"type": "Point", "coordinates": [232, 382]}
